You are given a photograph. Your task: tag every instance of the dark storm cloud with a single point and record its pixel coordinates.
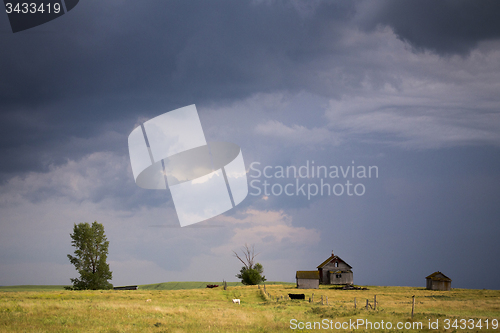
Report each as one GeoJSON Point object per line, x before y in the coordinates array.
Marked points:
{"type": "Point", "coordinates": [166, 50]}
{"type": "Point", "coordinates": [106, 63]}
{"type": "Point", "coordinates": [444, 26]}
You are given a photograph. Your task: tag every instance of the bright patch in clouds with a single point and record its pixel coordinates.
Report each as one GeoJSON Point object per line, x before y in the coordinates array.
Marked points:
{"type": "Point", "coordinates": [297, 134]}
{"type": "Point", "coordinates": [267, 230]}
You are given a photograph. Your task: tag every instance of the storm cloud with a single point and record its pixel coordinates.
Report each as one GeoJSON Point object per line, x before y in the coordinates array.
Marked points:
{"type": "Point", "coordinates": [446, 27]}
{"type": "Point", "coordinates": [410, 87]}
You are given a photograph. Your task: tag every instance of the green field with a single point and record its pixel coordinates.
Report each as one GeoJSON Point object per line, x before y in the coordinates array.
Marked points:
{"type": "Point", "coordinates": [154, 286]}
{"type": "Point", "coordinates": [193, 285]}
{"type": "Point", "coordinates": [32, 288]}
{"type": "Point", "coordinates": [177, 309]}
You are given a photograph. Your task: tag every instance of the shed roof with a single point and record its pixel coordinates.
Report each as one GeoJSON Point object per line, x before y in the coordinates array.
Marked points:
{"type": "Point", "coordinates": [331, 258]}
{"type": "Point", "coordinates": [438, 276]}
{"type": "Point", "coordinates": [307, 275]}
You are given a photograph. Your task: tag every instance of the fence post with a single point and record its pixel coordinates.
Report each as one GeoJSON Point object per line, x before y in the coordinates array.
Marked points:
{"type": "Point", "coordinates": [321, 299]}
{"type": "Point", "coordinates": [355, 302]}
{"type": "Point", "coordinates": [412, 306]}
{"type": "Point", "coordinates": [327, 300]}
{"type": "Point", "coordinates": [367, 304]}
{"type": "Point", "coordinates": [375, 302]}
{"type": "Point", "coordinates": [312, 298]}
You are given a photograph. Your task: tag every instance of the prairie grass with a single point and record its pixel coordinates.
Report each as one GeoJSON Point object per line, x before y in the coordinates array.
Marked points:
{"type": "Point", "coordinates": [194, 285]}
{"type": "Point", "coordinates": [211, 310]}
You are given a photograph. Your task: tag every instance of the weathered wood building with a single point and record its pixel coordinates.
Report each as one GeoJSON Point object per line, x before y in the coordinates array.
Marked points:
{"type": "Point", "coordinates": [307, 279]}
{"type": "Point", "coordinates": [438, 281]}
{"type": "Point", "coordinates": [334, 270]}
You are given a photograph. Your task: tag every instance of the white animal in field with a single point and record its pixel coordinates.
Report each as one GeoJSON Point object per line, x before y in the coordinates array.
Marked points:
{"type": "Point", "coordinates": [236, 300]}
{"type": "Point", "coordinates": [148, 300]}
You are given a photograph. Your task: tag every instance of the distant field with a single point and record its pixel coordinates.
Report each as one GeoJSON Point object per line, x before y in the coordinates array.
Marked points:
{"type": "Point", "coordinates": [211, 310]}
{"type": "Point", "coordinates": [194, 285]}
{"type": "Point", "coordinates": [31, 288]}
{"type": "Point", "coordinates": [154, 286]}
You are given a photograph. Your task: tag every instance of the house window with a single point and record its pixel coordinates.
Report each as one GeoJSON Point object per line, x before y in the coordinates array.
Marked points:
{"type": "Point", "coordinates": [336, 264]}
{"type": "Point", "coordinates": [338, 276]}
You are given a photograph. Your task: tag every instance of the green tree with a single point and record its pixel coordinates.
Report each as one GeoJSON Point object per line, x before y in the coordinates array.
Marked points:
{"type": "Point", "coordinates": [252, 276]}
{"type": "Point", "coordinates": [251, 273]}
{"type": "Point", "coordinates": [90, 257]}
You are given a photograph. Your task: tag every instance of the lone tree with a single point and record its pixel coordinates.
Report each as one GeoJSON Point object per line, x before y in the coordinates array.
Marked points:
{"type": "Point", "coordinates": [251, 273]}
{"type": "Point", "coordinates": [90, 257]}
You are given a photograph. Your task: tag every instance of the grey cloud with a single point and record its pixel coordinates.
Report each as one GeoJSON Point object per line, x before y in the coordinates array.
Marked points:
{"type": "Point", "coordinates": [444, 26]}
{"type": "Point", "coordinates": [101, 178]}
{"type": "Point", "coordinates": [172, 48]}
{"type": "Point", "coordinates": [282, 79]}
{"type": "Point", "coordinates": [76, 76]}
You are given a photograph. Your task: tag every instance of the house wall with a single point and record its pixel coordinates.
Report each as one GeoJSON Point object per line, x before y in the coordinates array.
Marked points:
{"type": "Point", "coordinates": [331, 267]}
{"type": "Point", "coordinates": [345, 278]}
{"type": "Point", "coordinates": [438, 285]}
{"type": "Point", "coordinates": [428, 284]}
{"type": "Point", "coordinates": [308, 283]}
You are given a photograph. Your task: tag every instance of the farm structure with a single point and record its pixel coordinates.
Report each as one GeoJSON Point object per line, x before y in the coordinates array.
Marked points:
{"type": "Point", "coordinates": [334, 270]}
{"type": "Point", "coordinates": [438, 281]}
{"type": "Point", "coordinates": [307, 279]}
{"type": "Point", "coordinates": [126, 288]}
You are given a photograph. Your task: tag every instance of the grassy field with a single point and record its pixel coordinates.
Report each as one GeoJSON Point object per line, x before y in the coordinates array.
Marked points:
{"type": "Point", "coordinates": [194, 285]}
{"type": "Point", "coordinates": [154, 286]}
{"type": "Point", "coordinates": [211, 310]}
{"type": "Point", "coordinates": [32, 288]}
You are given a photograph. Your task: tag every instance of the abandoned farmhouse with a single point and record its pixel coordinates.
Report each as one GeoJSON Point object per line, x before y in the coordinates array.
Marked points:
{"type": "Point", "coordinates": [332, 271]}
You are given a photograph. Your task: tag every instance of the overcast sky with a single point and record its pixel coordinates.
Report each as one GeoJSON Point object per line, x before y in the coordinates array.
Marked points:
{"type": "Point", "coordinates": [411, 88]}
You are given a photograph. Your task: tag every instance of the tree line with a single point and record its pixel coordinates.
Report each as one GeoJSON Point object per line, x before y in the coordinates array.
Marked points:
{"type": "Point", "coordinates": [91, 252]}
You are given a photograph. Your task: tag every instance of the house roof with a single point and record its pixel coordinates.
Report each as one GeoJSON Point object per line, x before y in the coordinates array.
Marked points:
{"type": "Point", "coordinates": [331, 258]}
{"type": "Point", "coordinates": [438, 276]}
{"type": "Point", "coordinates": [307, 275]}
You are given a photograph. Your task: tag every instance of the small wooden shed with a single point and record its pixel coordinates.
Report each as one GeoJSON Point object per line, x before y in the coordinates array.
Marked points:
{"type": "Point", "coordinates": [307, 279]}
{"type": "Point", "coordinates": [438, 281]}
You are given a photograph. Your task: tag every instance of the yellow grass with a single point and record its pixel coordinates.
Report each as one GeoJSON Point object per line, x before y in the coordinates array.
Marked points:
{"type": "Point", "coordinates": [211, 310]}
